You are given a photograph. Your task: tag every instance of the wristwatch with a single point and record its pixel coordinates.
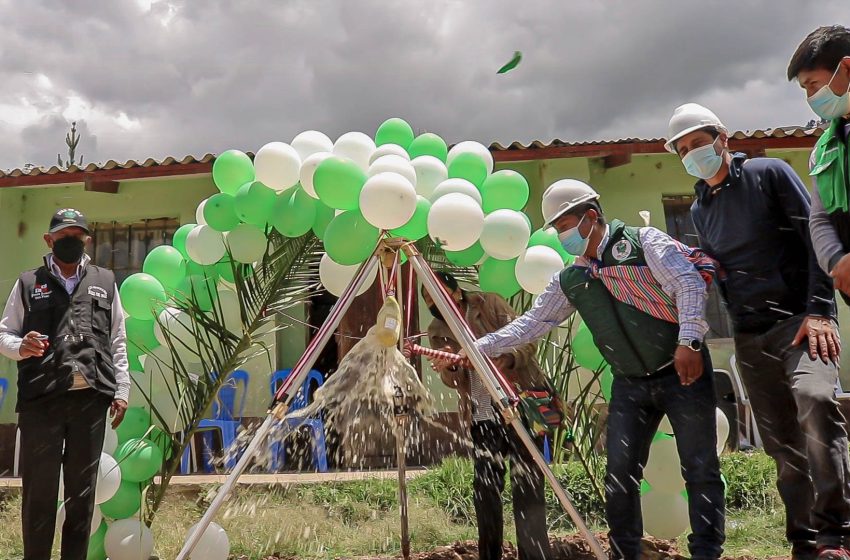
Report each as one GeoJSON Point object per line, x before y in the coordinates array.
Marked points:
{"type": "Point", "coordinates": [691, 344]}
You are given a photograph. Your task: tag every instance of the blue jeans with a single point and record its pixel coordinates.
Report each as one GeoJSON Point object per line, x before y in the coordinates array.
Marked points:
{"type": "Point", "coordinates": [636, 408]}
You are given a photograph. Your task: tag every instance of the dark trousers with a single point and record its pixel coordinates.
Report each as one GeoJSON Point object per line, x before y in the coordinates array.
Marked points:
{"type": "Point", "coordinates": [636, 408]}
{"type": "Point", "coordinates": [76, 419]}
{"type": "Point", "coordinates": [802, 428]}
{"type": "Point", "coordinates": [494, 443]}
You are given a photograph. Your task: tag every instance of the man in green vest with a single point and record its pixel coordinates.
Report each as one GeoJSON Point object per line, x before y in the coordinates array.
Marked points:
{"type": "Point", "coordinates": [623, 284]}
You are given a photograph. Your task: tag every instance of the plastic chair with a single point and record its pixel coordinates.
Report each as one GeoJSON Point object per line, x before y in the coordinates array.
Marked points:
{"type": "Point", "coordinates": [225, 420]}
{"type": "Point", "coordinates": [547, 453]}
{"type": "Point", "coordinates": [316, 426]}
{"type": "Point", "coordinates": [4, 390]}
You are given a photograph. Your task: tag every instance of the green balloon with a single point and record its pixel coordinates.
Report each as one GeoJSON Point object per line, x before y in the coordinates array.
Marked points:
{"type": "Point", "coordinates": [125, 502]}
{"type": "Point", "coordinates": [140, 335]}
{"type": "Point", "coordinates": [324, 215]}
{"type": "Point", "coordinates": [179, 239]}
{"type": "Point", "coordinates": [470, 167]}
{"type": "Point", "coordinates": [294, 212]}
{"type": "Point", "coordinates": [139, 460]}
{"type": "Point", "coordinates": [163, 441]}
{"type": "Point", "coordinates": [133, 359]}
{"type": "Point", "coordinates": [198, 289]}
{"type": "Point", "coordinates": [644, 487]}
{"type": "Point", "coordinates": [417, 226]}
{"type": "Point", "coordinates": [220, 212]}
{"type": "Point", "coordinates": [504, 189]}
{"type": "Point", "coordinates": [499, 276]}
{"type": "Point", "coordinates": [586, 353]}
{"type": "Point", "coordinates": [136, 422]}
{"type": "Point", "coordinates": [96, 550]}
{"type": "Point", "coordinates": [231, 170]}
{"type": "Point", "coordinates": [208, 271]}
{"type": "Point", "coordinates": [549, 238]}
{"type": "Point", "coordinates": [394, 131]}
{"type": "Point", "coordinates": [606, 381]}
{"type": "Point", "coordinates": [467, 257]}
{"type": "Point", "coordinates": [338, 182]}
{"type": "Point", "coordinates": [350, 239]}
{"type": "Point", "coordinates": [142, 296]}
{"type": "Point", "coordinates": [254, 203]}
{"type": "Point", "coordinates": [225, 269]}
{"type": "Point", "coordinates": [428, 144]}
{"type": "Point", "coordinates": [166, 264]}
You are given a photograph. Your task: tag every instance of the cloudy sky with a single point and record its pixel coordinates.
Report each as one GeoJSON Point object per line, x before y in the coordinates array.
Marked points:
{"type": "Point", "coordinates": [155, 78]}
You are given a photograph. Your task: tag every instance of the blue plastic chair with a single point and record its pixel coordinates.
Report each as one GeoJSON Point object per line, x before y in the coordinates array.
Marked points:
{"type": "Point", "coordinates": [315, 425]}
{"type": "Point", "coordinates": [4, 390]}
{"type": "Point", "coordinates": [225, 420]}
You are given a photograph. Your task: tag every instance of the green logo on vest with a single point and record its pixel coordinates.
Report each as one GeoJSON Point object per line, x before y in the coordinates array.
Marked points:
{"type": "Point", "coordinates": [622, 250]}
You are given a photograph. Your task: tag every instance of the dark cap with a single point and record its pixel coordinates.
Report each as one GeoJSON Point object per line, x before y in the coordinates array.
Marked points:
{"type": "Point", "coordinates": [68, 217]}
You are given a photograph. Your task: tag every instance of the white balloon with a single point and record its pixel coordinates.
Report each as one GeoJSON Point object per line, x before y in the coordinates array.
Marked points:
{"type": "Point", "coordinates": [722, 430]}
{"type": "Point", "coordinates": [178, 324]}
{"type": "Point", "coordinates": [394, 164]}
{"type": "Point", "coordinates": [199, 213]}
{"type": "Point", "coordinates": [505, 234]}
{"type": "Point", "coordinates": [456, 185]}
{"type": "Point", "coordinates": [96, 518]}
{"type": "Point", "coordinates": [356, 146]}
{"type": "Point", "coordinates": [214, 544]}
{"type": "Point", "coordinates": [108, 479]}
{"type": "Point", "coordinates": [336, 277]}
{"type": "Point", "coordinates": [455, 222]}
{"type": "Point", "coordinates": [247, 243]}
{"type": "Point", "coordinates": [663, 470]}
{"type": "Point", "coordinates": [310, 142]}
{"type": "Point", "coordinates": [665, 514]}
{"type": "Point", "coordinates": [665, 427]}
{"type": "Point", "coordinates": [110, 439]}
{"type": "Point", "coordinates": [430, 172]}
{"type": "Point", "coordinates": [472, 147]}
{"type": "Point", "coordinates": [229, 303]}
{"type": "Point", "coordinates": [308, 168]}
{"type": "Point", "coordinates": [276, 165]}
{"type": "Point", "coordinates": [536, 267]}
{"type": "Point", "coordinates": [388, 149]}
{"type": "Point", "coordinates": [205, 245]}
{"type": "Point", "coordinates": [128, 539]}
{"type": "Point", "coordinates": [387, 200]}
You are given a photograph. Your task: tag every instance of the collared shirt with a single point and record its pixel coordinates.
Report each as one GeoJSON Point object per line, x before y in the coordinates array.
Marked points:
{"type": "Point", "coordinates": [677, 276]}
{"type": "Point", "coordinates": [11, 327]}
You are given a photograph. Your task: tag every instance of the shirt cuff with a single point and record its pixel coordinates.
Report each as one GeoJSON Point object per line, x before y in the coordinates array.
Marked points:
{"type": "Point", "coordinates": [484, 346]}
{"type": "Point", "coordinates": [692, 330]}
{"type": "Point", "coordinates": [820, 308]}
{"type": "Point", "coordinates": [833, 260]}
{"type": "Point", "coordinates": [123, 392]}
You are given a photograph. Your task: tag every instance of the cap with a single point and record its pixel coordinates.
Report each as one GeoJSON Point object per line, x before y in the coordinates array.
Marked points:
{"type": "Point", "coordinates": [68, 217]}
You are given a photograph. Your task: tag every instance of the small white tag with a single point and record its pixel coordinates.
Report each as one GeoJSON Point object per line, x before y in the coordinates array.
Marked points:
{"type": "Point", "coordinates": [390, 323]}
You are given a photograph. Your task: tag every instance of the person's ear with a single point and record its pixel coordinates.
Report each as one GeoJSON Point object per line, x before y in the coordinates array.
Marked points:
{"type": "Point", "coordinates": [592, 216]}
{"type": "Point", "coordinates": [724, 140]}
{"type": "Point", "coordinates": [48, 240]}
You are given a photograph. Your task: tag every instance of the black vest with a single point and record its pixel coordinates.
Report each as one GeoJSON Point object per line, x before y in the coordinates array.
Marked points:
{"type": "Point", "coordinates": [79, 328]}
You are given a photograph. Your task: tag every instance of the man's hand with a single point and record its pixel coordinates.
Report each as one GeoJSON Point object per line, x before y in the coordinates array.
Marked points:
{"type": "Point", "coordinates": [116, 411]}
{"type": "Point", "coordinates": [841, 274]}
{"type": "Point", "coordinates": [31, 346]}
{"type": "Point", "coordinates": [688, 364]}
{"type": "Point", "coordinates": [824, 341]}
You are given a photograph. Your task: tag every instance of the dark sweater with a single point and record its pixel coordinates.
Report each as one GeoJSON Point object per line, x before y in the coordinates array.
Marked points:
{"type": "Point", "coordinates": [756, 224]}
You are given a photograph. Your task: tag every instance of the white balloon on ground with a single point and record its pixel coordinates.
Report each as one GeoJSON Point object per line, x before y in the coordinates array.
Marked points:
{"type": "Point", "coordinates": [505, 234]}
{"type": "Point", "coordinates": [204, 245]}
{"type": "Point", "coordinates": [214, 544]}
{"type": "Point", "coordinates": [228, 301]}
{"type": "Point", "coordinates": [722, 430]}
{"type": "Point", "coordinates": [471, 147]}
{"type": "Point", "coordinates": [177, 324]}
{"type": "Point", "coordinates": [96, 518]}
{"type": "Point", "coordinates": [310, 142]}
{"type": "Point", "coordinates": [430, 172]}
{"type": "Point", "coordinates": [395, 164]}
{"type": "Point", "coordinates": [308, 168]}
{"type": "Point", "coordinates": [387, 200]}
{"type": "Point", "coordinates": [663, 470]}
{"type": "Point", "coordinates": [128, 539]}
{"type": "Point", "coordinates": [110, 438]}
{"type": "Point", "coordinates": [356, 146]}
{"type": "Point", "coordinates": [665, 514]}
{"type": "Point", "coordinates": [456, 185]}
{"type": "Point", "coordinates": [247, 243]}
{"type": "Point", "coordinates": [386, 150]}
{"type": "Point", "coordinates": [336, 277]}
{"type": "Point", "coordinates": [199, 213]}
{"type": "Point", "coordinates": [108, 478]}
{"type": "Point", "coordinates": [536, 267]}
{"type": "Point", "coordinates": [455, 222]}
{"type": "Point", "coordinates": [277, 165]}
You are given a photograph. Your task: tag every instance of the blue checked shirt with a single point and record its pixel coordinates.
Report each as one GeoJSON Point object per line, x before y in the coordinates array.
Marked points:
{"type": "Point", "coordinates": [677, 276]}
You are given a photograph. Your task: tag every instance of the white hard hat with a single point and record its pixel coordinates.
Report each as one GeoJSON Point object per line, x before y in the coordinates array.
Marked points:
{"type": "Point", "coordinates": [686, 119]}
{"type": "Point", "coordinates": [564, 195]}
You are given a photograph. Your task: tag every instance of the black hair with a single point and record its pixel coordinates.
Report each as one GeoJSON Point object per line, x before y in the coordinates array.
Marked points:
{"type": "Point", "coordinates": [822, 49]}
{"type": "Point", "coordinates": [711, 131]}
{"type": "Point", "coordinates": [582, 208]}
{"type": "Point", "coordinates": [448, 280]}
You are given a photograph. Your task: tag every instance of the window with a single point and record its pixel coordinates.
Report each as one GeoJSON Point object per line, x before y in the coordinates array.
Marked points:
{"type": "Point", "coordinates": [122, 248]}
{"type": "Point", "coordinates": [677, 212]}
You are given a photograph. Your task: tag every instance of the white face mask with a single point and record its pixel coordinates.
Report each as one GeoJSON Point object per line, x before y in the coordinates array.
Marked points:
{"type": "Point", "coordinates": [703, 162]}
{"type": "Point", "coordinates": [826, 104]}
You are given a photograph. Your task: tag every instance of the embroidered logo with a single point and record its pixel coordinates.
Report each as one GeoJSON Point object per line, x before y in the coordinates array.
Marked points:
{"type": "Point", "coordinates": [97, 292]}
{"type": "Point", "coordinates": [622, 250]}
{"type": "Point", "coordinates": [40, 291]}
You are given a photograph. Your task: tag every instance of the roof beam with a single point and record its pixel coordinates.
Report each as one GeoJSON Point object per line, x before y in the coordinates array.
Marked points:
{"type": "Point", "coordinates": [616, 160]}
{"type": "Point", "coordinates": [93, 183]}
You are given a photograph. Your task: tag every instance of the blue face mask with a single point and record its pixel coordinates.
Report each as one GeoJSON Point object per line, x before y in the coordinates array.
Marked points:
{"type": "Point", "coordinates": [572, 241]}
{"type": "Point", "coordinates": [703, 162]}
{"type": "Point", "coordinates": [826, 104]}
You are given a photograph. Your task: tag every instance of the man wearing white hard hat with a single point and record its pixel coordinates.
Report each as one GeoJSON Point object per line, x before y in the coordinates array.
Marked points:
{"type": "Point", "coordinates": [752, 215]}
{"type": "Point", "coordinates": [641, 294]}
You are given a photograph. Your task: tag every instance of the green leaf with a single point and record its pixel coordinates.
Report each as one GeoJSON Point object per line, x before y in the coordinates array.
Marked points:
{"type": "Point", "coordinates": [512, 64]}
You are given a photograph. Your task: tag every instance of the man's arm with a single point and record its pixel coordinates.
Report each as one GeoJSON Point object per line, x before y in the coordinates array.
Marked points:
{"type": "Point", "coordinates": [119, 350]}
{"type": "Point", "coordinates": [825, 243]}
{"type": "Point", "coordinates": [11, 325]}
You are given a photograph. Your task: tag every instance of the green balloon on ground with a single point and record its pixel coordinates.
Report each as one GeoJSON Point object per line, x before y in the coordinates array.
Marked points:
{"type": "Point", "coordinates": [428, 144]}
{"type": "Point", "coordinates": [350, 239]}
{"type": "Point", "coordinates": [136, 422]}
{"type": "Point", "coordinates": [417, 227]}
{"type": "Point", "coordinates": [140, 335]}
{"type": "Point", "coordinates": [504, 189]}
{"type": "Point", "coordinates": [139, 460]}
{"type": "Point", "coordinates": [586, 353]}
{"type": "Point", "coordinates": [125, 502]}
{"type": "Point", "coordinates": [498, 276]}
{"type": "Point", "coordinates": [606, 381]}
{"type": "Point", "coordinates": [394, 131]}
{"type": "Point", "coordinates": [220, 212]}
{"type": "Point", "coordinates": [196, 288]}
{"type": "Point", "coordinates": [294, 212]}
{"type": "Point", "coordinates": [338, 182]}
{"type": "Point", "coordinates": [254, 203]}
{"type": "Point", "coordinates": [468, 257]}
{"type": "Point", "coordinates": [470, 167]}
{"type": "Point", "coordinates": [225, 269]}
{"type": "Point", "coordinates": [231, 170]}
{"type": "Point", "coordinates": [166, 264]}
{"type": "Point", "coordinates": [142, 295]}
{"type": "Point", "coordinates": [96, 550]}
{"type": "Point", "coordinates": [178, 241]}
{"type": "Point", "coordinates": [324, 215]}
